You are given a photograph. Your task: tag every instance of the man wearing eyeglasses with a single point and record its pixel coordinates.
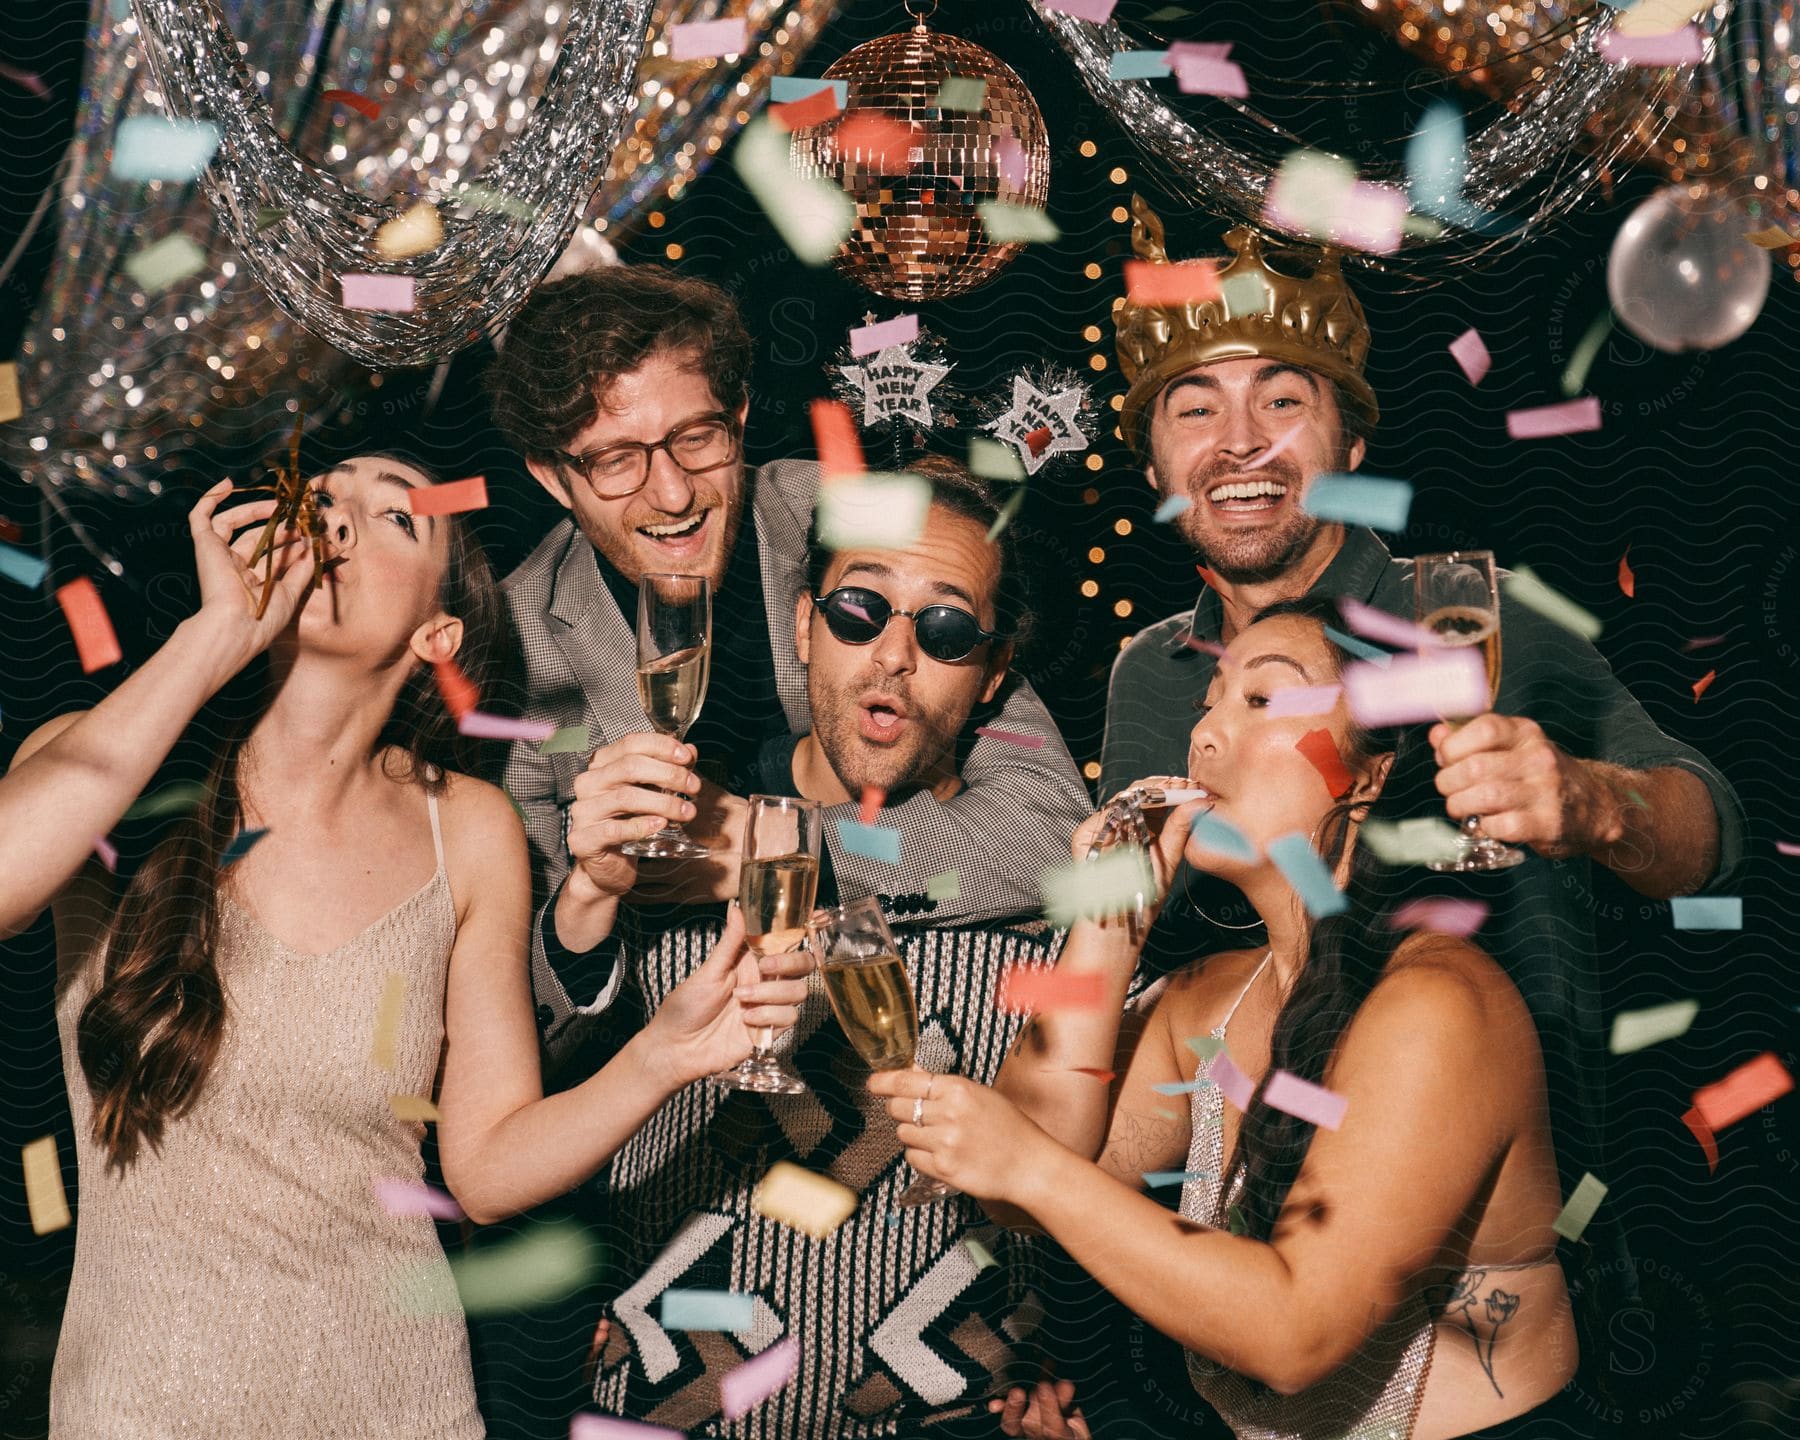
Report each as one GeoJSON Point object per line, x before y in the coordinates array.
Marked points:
{"type": "Point", "coordinates": [626, 389]}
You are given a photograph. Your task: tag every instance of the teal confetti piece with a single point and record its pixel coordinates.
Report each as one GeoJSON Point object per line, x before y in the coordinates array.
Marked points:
{"type": "Point", "coordinates": [170, 800]}
{"type": "Point", "coordinates": [1091, 889]}
{"type": "Point", "coordinates": [1173, 506]}
{"type": "Point", "coordinates": [1411, 842]}
{"type": "Point", "coordinates": [1244, 295]}
{"type": "Point", "coordinates": [1361, 649]}
{"type": "Point", "coordinates": [168, 262]}
{"type": "Point", "coordinates": [568, 740]}
{"type": "Point", "coordinates": [1707, 912]}
{"type": "Point", "coordinates": [983, 1258]}
{"type": "Point", "coordinates": [784, 88]}
{"type": "Point", "coordinates": [1156, 1179]}
{"type": "Point", "coordinates": [240, 846]}
{"type": "Point", "coordinates": [22, 567]}
{"type": "Point", "coordinates": [1526, 589]}
{"type": "Point", "coordinates": [959, 92]}
{"type": "Point", "coordinates": [1305, 871]}
{"type": "Point", "coordinates": [1006, 224]}
{"type": "Point", "coordinates": [1360, 500]}
{"type": "Point", "coordinates": [1180, 1087]}
{"type": "Point", "coordinates": [1138, 65]}
{"type": "Point", "coordinates": [893, 1220]}
{"type": "Point", "coordinates": [944, 887]}
{"type": "Point", "coordinates": [994, 460]}
{"type": "Point", "coordinates": [1574, 1216]}
{"type": "Point", "coordinates": [1638, 1029]}
{"type": "Point", "coordinates": [1235, 1221]}
{"type": "Point", "coordinates": [1222, 837]}
{"type": "Point", "coordinates": [707, 1310]}
{"type": "Point", "coordinates": [1205, 1046]}
{"type": "Point", "coordinates": [148, 147]}
{"type": "Point", "coordinates": [873, 842]}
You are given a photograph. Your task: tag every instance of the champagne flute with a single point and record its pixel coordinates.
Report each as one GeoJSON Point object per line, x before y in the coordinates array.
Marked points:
{"type": "Point", "coordinates": [778, 884]}
{"type": "Point", "coordinates": [1457, 599]}
{"type": "Point", "coordinates": [867, 983]}
{"type": "Point", "coordinates": [674, 645]}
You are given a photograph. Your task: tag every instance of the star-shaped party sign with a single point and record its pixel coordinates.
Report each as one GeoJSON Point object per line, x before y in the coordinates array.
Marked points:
{"type": "Point", "coordinates": [893, 384]}
{"type": "Point", "coordinates": [1033, 412]}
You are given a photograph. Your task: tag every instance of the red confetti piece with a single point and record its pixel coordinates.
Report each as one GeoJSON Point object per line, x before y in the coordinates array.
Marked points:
{"type": "Point", "coordinates": [95, 641]}
{"type": "Point", "coordinates": [9, 530]}
{"type": "Point", "coordinates": [815, 109]}
{"type": "Point", "coordinates": [1036, 440]}
{"type": "Point", "coordinates": [1319, 748]}
{"type": "Point", "coordinates": [458, 690]}
{"type": "Point", "coordinates": [1708, 1142]}
{"type": "Point", "coordinates": [1041, 990]}
{"type": "Point", "coordinates": [1108, 1076]}
{"type": "Point", "coordinates": [1700, 642]}
{"type": "Point", "coordinates": [1147, 283]}
{"type": "Point", "coordinates": [1627, 580]}
{"type": "Point", "coordinates": [1744, 1091]}
{"type": "Point", "coordinates": [873, 798]}
{"type": "Point", "coordinates": [451, 499]}
{"type": "Point", "coordinates": [1011, 737]}
{"type": "Point", "coordinates": [1700, 685]}
{"type": "Point", "coordinates": [359, 103]}
{"type": "Point", "coordinates": [870, 138]}
{"type": "Point", "coordinates": [834, 435]}
{"type": "Point", "coordinates": [1210, 578]}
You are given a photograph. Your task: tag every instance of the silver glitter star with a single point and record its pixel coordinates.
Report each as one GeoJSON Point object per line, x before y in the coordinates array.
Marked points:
{"type": "Point", "coordinates": [1033, 409]}
{"type": "Point", "coordinates": [894, 384]}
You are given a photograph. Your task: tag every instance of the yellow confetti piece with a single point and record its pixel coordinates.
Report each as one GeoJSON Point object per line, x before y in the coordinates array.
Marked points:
{"type": "Point", "coordinates": [412, 1107]}
{"type": "Point", "coordinates": [982, 1255]}
{"type": "Point", "coordinates": [11, 406]}
{"type": "Point", "coordinates": [1009, 223]}
{"type": "Point", "coordinates": [389, 1011]}
{"type": "Point", "coordinates": [169, 261]}
{"type": "Point", "coordinates": [416, 232]}
{"type": "Point", "coordinates": [1772, 238]}
{"type": "Point", "coordinates": [44, 1196]}
{"type": "Point", "coordinates": [813, 1204]}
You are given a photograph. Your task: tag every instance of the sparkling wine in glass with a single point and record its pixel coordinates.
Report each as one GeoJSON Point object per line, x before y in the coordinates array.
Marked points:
{"type": "Point", "coordinates": [777, 885]}
{"type": "Point", "coordinates": [674, 645]}
{"type": "Point", "coordinates": [866, 981]}
{"type": "Point", "coordinates": [1457, 599]}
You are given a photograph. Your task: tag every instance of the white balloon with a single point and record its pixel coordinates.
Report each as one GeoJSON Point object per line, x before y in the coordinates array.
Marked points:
{"type": "Point", "coordinates": [1683, 274]}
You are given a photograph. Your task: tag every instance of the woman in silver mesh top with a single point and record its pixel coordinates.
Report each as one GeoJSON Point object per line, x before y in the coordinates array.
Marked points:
{"type": "Point", "coordinates": [1386, 1271]}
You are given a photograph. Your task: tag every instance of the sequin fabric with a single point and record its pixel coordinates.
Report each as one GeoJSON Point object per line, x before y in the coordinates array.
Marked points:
{"type": "Point", "coordinates": [243, 1280]}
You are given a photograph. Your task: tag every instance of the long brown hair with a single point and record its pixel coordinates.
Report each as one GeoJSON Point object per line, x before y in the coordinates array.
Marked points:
{"type": "Point", "coordinates": [150, 1034]}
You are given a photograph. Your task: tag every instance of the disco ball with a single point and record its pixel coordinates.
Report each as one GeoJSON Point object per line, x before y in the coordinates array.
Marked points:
{"type": "Point", "coordinates": [917, 234]}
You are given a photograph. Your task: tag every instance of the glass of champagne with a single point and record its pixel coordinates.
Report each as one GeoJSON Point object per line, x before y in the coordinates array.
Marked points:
{"type": "Point", "coordinates": [1457, 599]}
{"type": "Point", "coordinates": [674, 645]}
{"type": "Point", "coordinates": [867, 983]}
{"type": "Point", "coordinates": [777, 885]}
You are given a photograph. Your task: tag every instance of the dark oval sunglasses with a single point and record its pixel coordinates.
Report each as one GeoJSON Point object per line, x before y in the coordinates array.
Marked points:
{"type": "Point", "coordinates": [946, 633]}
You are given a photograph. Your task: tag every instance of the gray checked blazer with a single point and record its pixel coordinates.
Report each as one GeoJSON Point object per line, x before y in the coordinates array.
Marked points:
{"type": "Point", "coordinates": [1011, 822]}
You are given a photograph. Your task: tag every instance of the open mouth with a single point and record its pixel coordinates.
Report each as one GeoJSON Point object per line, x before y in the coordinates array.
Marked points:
{"type": "Point", "coordinates": [676, 534]}
{"type": "Point", "coordinates": [881, 718]}
{"type": "Point", "coordinates": [1246, 497]}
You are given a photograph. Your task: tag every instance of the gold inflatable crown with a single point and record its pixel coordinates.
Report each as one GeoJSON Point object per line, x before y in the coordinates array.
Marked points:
{"type": "Point", "coordinates": [1314, 322]}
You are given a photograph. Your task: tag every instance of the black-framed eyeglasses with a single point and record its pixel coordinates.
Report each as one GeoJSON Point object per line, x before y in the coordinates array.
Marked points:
{"type": "Point", "coordinates": [946, 633]}
{"type": "Point", "coordinates": [698, 445]}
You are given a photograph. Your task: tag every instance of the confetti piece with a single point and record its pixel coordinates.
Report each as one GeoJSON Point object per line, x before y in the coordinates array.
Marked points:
{"type": "Point", "coordinates": [743, 1389]}
{"type": "Point", "coordinates": [170, 800]}
{"type": "Point", "coordinates": [148, 147]}
{"type": "Point", "coordinates": [1304, 700]}
{"type": "Point", "coordinates": [610, 1427]}
{"type": "Point", "coordinates": [1542, 421]}
{"type": "Point", "coordinates": [241, 845]}
{"type": "Point", "coordinates": [873, 140]}
{"type": "Point", "coordinates": [1010, 156]}
{"type": "Point", "coordinates": [1639, 1029]}
{"type": "Point", "coordinates": [836, 439]}
{"type": "Point", "coordinates": [785, 88]}
{"type": "Point", "coordinates": [25, 80]}
{"type": "Point", "coordinates": [1181, 1087]}
{"type": "Point", "coordinates": [1138, 65]}
{"type": "Point", "coordinates": [901, 330]}
{"type": "Point", "coordinates": [1305, 871]}
{"type": "Point", "coordinates": [1148, 283]}
{"type": "Point", "coordinates": [1376, 624]}
{"type": "Point", "coordinates": [1707, 912]}
{"type": "Point", "coordinates": [404, 1199]}
{"type": "Point", "coordinates": [814, 109]}
{"type": "Point", "coordinates": [1244, 295]}
{"type": "Point", "coordinates": [95, 641]}
{"type": "Point", "coordinates": [1653, 17]}
{"type": "Point", "coordinates": [1586, 351]}
{"type": "Point", "coordinates": [44, 1197]}
{"type": "Point", "coordinates": [479, 725]}
{"type": "Point", "coordinates": [1637, 800]}
{"type": "Point", "coordinates": [267, 216]}
{"type": "Point", "coordinates": [418, 232]}
{"type": "Point", "coordinates": [1233, 1083]}
{"type": "Point", "coordinates": [993, 460]}
{"type": "Point", "coordinates": [873, 798]}
{"type": "Point", "coordinates": [1447, 684]}
{"type": "Point", "coordinates": [412, 1107]}
{"type": "Point", "coordinates": [1011, 737]}
{"type": "Point", "coordinates": [1235, 1222]}
{"type": "Point", "coordinates": [1524, 587]}
{"type": "Point", "coordinates": [961, 92]}
{"type": "Point", "coordinates": [1470, 351]}
{"type": "Point", "coordinates": [568, 740]}
{"type": "Point", "coordinates": [108, 853]}
{"type": "Point", "coordinates": [390, 1010]}
{"type": "Point", "coordinates": [377, 292]}
{"type": "Point", "coordinates": [1322, 752]}
{"type": "Point", "coordinates": [1106, 1077]}
{"type": "Point", "coordinates": [947, 886]}
{"type": "Point", "coordinates": [547, 1263]}
{"type": "Point", "coordinates": [168, 262]}
{"type": "Point", "coordinates": [458, 690]}
{"type": "Point", "coordinates": [873, 512]}
{"type": "Point", "coordinates": [485, 197]}
{"type": "Point", "coordinates": [1222, 837]}
{"type": "Point", "coordinates": [1373, 654]}
{"type": "Point", "coordinates": [1583, 1202]}
{"type": "Point", "coordinates": [1098, 11]}
{"type": "Point", "coordinates": [451, 498]}
{"type": "Point", "coordinates": [1444, 915]}
{"type": "Point", "coordinates": [1679, 47]}
{"type": "Point", "coordinates": [1772, 238]}
{"type": "Point", "coordinates": [1007, 512]}
{"type": "Point", "coordinates": [1700, 642]}
{"type": "Point", "coordinates": [811, 214]}
{"type": "Point", "coordinates": [1709, 1144]}
{"type": "Point", "coordinates": [980, 1254]}
{"type": "Point", "coordinates": [362, 104]}
{"type": "Point", "coordinates": [1745, 1090]}
{"type": "Point", "coordinates": [12, 406]}
{"type": "Point", "coordinates": [1700, 685]}
{"type": "Point", "coordinates": [1156, 1179]}
{"type": "Point", "coordinates": [1007, 224]}
{"type": "Point", "coordinates": [1170, 508]}
{"type": "Point", "coordinates": [1302, 1099]}
{"type": "Point", "coordinates": [704, 39]}
{"type": "Point", "coordinates": [22, 568]}
{"type": "Point", "coordinates": [1025, 988]}
{"type": "Point", "coordinates": [1411, 842]}
{"type": "Point", "coordinates": [1036, 440]}
{"type": "Point", "coordinates": [873, 842]}
{"type": "Point", "coordinates": [809, 1203]}
{"type": "Point", "coordinates": [1205, 1046]}
{"type": "Point", "coordinates": [1359, 500]}
{"type": "Point", "coordinates": [707, 1310]}
{"type": "Point", "coordinates": [1627, 580]}
{"type": "Point", "coordinates": [1319, 195]}
{"type": "Point", "coordinates": [1091, 889]}
{"type": "Point", "coordinates": [1207, 74]}
{"type": "Point", "coordinates": [1787, 847]}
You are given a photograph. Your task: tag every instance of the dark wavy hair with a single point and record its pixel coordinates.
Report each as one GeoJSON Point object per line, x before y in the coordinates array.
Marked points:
{"type": "Point", "coordinates": [1346, 954]}
{"type": "Point", "coordinates": [577, 335]}
{"type": "Point", "coordinates": [149, 1035]}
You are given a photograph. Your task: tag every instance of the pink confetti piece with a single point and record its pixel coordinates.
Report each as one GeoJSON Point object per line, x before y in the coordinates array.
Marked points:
{"type": "Point", "coordinates": [1374, 624]}
{"type": "Point", "coordinates": [1098, 11]}
{"type": "Point", "coordinates": [1208, 647]}
{"type": "Point", "coordinates": [405, 1198]}
{"type": "Point", "coordinates": [108, 853]}
{"type": "Point", "coordinates": [610, 1427]}
{"type": "Point", "coordinates": [1700, 642]}
{"type": "Point", "coordinates": [1279, 448]}
{"type": "Point", "coordinates": [1678, 47]}
{"type": "Point", "coordinates": [1471, 352]}
{"type": "Point", "coordinates": [1542, 421]}
{"type": "Point", "coordinates": [1316, 1105]}
{"type": "Point", "coordinates": [25, 80]}
{"type": "Point", "coordinates": [377, 292]}
{"type": "Point", "coordinates": [1010, 155]}
{"type": "Point", "coordinates": [743, 1389]}
{"type": "Point", "coordinates": [703, 39]}
{"type": "Point", "coordinates": [1236, 1086]}
{"type": "Point", "coordinates": [1011, 737]}
{"type": "Point", "coordinates": [1787, 847]}
{"type": "Point", "coordinates": [1446, 685]}
{"type": "Point", "coordinates": [901, 330]}
{"type": "Point", "coordinates": [482, 726]}
{"type": "Point", "coordinates": [1184, 50]}
{"type": "Point", "coordinates": [452, 498]}
{"type": "Point", "coordinates": [1445, 916]}
{"type": "Point", "coordinates": [1204, 75]}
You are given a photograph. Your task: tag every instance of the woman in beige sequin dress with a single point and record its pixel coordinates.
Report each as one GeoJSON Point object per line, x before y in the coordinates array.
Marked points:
{"type": "Point", "coordinates": [234, 1034]}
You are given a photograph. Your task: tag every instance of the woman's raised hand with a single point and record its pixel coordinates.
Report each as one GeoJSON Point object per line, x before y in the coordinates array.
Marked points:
{"type": "Point", "coordinates": [230, 590]}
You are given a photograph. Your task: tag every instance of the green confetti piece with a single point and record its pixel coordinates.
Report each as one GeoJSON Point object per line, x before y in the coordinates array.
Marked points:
{"type": "Point", "coordinates": [1007, 512]}
{"type": "Point", "coordinates": [1574, 1216]}
{"type": "Point", "coordinates": [482, 197]}
{"type": "Point", "coordinates": [170, 260]}
{"type": "Point", "coordinates": [1637, 799]}
{"type": "Point", "coordinates": [170, 800]}
{"type": "Point", "coordinates": [1531, 592]}
{"type": "Point", "coordinates": [1180, 1087]}
{"type": "Point", "coordinates": [994, 460]}
{"type": "Point", "coordinates": [982, 1256]}
{"type": "Point", "coordinates": [1411, 842]}
{"type": "Point", "coordinates": [1205, 1046]}
{"type": "Point", "coordinates": [1167, 13]}
{"type": "Point", "coordinates": [267, 216]}
{"type": "Point", "coordinates": [1637, 1029]}
{"type": "Point", "coordinates": [547, 1263]}
{"type": "Point", "coordinates": [944, 887]}
{"type": "Point", "coordinates": [873, 512]}
{"type": "Point", "coordinates": [1581, 359]}
{"type": "Point", "coordinates": [961, 92]}
{"type": "Point", "coordinates": [812, 215]}
{"type": "Point", "coordinates": [1090, 889]}
{"type": "Point", "coordinates": [568, 740]}
{"type": "Point", "coordinates": [1244, 295]}
{"type": "Point", "coordinates": [1235, 1221]}
{"type": "Point", "coordinates": [1024, 224]}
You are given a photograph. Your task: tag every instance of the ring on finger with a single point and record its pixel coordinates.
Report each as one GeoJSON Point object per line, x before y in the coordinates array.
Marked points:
{"type": "Point", "coordinates": [918, 1113]}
